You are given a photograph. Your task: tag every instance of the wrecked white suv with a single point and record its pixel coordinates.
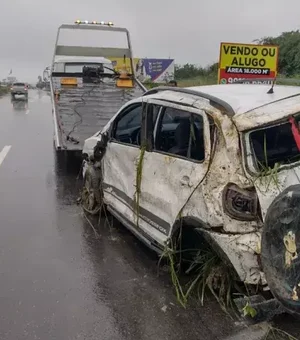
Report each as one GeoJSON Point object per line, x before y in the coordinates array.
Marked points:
{"type": "Point", "coordinates": [222, 161]}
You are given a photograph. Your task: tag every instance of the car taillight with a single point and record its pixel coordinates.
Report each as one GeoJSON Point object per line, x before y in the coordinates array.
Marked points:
{"type": "Point", "coordinates": [240, 204]}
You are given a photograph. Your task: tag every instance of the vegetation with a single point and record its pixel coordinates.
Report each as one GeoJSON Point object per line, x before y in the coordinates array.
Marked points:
{"type": "Point", "coordinates": [289, 52]}
{"type": "Point", "coordinates": [189, 71]}
{"type": "Point", "coordinates": [288, 63]}
{"type": "Point", "coordinates": [4, 90]}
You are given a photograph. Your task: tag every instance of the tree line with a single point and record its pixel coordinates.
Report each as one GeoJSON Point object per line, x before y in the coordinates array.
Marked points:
{"type": "Point", "coordinates": [288, 61]}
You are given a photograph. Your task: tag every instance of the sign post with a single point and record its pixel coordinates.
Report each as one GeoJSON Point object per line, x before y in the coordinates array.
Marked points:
{"type": "Point", "coordinates": [247, 61]}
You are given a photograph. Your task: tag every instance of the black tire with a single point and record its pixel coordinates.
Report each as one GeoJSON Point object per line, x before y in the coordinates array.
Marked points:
{"type": "Point", "coordinates": [280, 247]}
{"type": "Point", "coordinates": [91, 195]}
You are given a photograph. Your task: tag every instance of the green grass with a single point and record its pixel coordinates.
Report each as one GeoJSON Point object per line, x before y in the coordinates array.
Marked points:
{"type": "Point", "coordinates": [198, 81]}
{"type": "Point", "coordinates": [3, 90]}
{"type": "Point", "coordinates": [213, 79]}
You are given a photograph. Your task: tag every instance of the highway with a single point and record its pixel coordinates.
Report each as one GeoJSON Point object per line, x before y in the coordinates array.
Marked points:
{"type": "Point", "coordinates": [58, 279]}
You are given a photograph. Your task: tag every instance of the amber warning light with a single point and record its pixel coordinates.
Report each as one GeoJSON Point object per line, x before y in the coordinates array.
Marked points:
{"type": "Point", "coordinates": [86, 22]}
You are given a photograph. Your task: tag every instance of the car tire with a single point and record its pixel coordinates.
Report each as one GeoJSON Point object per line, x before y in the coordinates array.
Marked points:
{"type": "Point", "coordinates": [91, 195]}
{"type": "Point", "coordinates": [280, 246]}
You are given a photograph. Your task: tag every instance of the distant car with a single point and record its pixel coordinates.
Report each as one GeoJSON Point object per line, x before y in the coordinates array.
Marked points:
{"type": "Point", "coordinates": [19, 89]}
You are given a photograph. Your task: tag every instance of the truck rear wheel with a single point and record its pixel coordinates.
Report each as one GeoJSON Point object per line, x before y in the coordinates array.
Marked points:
{"type": "Point", "coordinates": [280, 248]}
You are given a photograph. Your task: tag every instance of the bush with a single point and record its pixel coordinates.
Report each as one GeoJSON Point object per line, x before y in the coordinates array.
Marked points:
{"type": "Point", "coordinates": [4, 90]}
{"type": "Point", "coordinates": [189, 71]}
{"type": "Point", "coordinates": [289, 51]}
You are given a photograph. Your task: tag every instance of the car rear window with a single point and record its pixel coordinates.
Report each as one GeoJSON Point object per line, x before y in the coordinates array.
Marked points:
{"type": "Point", "coordinates": [19, 84]}
{"type": "Point", "coordinates": [276, 144]}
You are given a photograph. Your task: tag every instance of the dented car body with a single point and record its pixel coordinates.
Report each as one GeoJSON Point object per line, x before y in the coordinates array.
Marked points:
{"type": "Point", "coordinates": [213, 158]}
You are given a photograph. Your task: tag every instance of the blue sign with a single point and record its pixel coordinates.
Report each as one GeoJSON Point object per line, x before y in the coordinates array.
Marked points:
{"type": "Point", "coordinates": [155, 68]}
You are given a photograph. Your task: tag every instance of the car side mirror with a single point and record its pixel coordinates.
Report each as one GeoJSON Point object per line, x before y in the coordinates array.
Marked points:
{"type": "Point", "coordinates": [100, 148]}
{"type": "Point", "coordinates": [104, 139]}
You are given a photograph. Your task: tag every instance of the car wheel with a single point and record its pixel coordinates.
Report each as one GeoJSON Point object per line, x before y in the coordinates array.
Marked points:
{"type": "Point", "coordinates": [91, 197]}
{"type": "Point", "coordinates": [280, 248]}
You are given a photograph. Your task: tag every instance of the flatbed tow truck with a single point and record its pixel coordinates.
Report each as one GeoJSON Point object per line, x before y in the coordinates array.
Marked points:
{"type": "Point", "coordinates": [86, 91]}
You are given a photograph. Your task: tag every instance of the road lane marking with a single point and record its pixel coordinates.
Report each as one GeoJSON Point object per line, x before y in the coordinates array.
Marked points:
{"type": "Point", "coordinates": [4, 153]}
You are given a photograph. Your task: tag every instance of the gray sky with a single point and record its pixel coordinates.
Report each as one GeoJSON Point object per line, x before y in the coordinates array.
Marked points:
{"type": "Point", "coordinates": [188, 31]}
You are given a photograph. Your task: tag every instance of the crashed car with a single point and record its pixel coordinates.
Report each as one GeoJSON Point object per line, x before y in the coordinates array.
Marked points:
{"type": "Point", "coordinates": [220, 161]}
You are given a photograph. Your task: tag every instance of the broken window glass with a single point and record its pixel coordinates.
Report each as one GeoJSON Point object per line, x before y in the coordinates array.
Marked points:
{"type": "Point", "coordinates": [275, 144]}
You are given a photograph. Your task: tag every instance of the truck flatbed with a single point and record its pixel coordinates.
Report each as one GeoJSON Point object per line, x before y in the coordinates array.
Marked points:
{"type": "Point", "coordinates": [82, 111]}
{"type": "Point", "coordinates": [85, 89]}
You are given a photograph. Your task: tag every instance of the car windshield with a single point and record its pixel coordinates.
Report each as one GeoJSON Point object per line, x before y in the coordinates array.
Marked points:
{"type": "Point", "coordinates": [19, 84]}
{"type": "Point", "coordinates": [279, 144]}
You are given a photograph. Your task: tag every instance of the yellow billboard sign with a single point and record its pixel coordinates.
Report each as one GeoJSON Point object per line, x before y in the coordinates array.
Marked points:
{"type": "Point", "coordinates": [119, 62]}
{"type": "Point", "coordinates": [246, 61]}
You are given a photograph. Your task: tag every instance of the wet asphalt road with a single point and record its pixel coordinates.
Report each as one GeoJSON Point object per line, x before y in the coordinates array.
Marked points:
{"type": "Point", "coordinates": [59, 281]}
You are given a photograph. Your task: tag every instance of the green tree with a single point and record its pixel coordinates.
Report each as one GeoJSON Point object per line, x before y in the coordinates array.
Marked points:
{"type": "Point", "coordinates": [188, 71]}
{"type": "Point", "coordinates": [289, 51]}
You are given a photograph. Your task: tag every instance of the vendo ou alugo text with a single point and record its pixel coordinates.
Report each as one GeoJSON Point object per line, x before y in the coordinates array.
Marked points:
{"type": "Point", "coordinates": [249, 56]}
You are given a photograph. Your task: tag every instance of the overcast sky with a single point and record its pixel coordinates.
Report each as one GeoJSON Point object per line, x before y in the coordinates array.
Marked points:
{"type": "Point", "coordinates": [188, 31]}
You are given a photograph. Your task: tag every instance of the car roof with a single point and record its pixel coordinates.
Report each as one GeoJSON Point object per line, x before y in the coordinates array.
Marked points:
{"type": "Point", "coordinates": [244, 98]}
{"type": "Point", "coordinates": [249, 105]}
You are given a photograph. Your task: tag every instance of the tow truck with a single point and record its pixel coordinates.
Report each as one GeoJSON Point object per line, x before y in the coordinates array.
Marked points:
{"type": "Point", "coordinates": [86, 91]}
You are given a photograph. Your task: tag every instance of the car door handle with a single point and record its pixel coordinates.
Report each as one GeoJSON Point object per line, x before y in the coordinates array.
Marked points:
{"type": "Point", "coordinates": [185, 180]}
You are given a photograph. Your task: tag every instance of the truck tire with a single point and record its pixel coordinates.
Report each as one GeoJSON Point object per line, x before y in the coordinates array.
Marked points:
{"type": "Point", "coordinates": [280, 246]}
{"type": "Point", "coordinates": [91, 196]}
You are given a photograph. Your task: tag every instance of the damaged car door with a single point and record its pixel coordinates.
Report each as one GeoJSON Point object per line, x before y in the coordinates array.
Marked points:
{"type": "Point", "coordinates": [119, 162]}
{"type": "Point", "coordinates": [174, 167]}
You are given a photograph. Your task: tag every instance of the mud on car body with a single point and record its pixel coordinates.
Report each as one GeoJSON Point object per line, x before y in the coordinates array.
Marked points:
{"type": "Point", "coordinates": [221, 160]}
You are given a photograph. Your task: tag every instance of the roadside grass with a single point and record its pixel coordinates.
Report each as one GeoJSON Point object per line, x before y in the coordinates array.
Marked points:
{"type": "Point", "coordinates": [4, 90]}
{"type": "Point", "coordinates": [195, 81]}
{"type": "Point", "coordinates": [203, 275]}
{"type": "Point", "coordinates": [278, 334]}
{"type": "Point", "coordinates": [211, 278]}
{"type": "Point", "coordinates": [211, 79]}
